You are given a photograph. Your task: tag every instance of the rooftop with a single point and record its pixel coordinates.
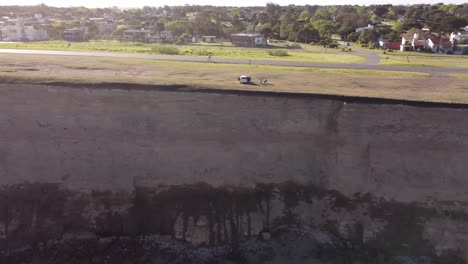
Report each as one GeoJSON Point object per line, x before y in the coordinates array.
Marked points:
{"type": "Point", "coordinates": [247, 35]}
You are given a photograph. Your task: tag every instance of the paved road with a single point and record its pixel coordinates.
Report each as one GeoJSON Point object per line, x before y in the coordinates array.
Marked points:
{"type": "Point", "coordinates": [371, 57]}
{"type": "Point", "coordinates": [432, 70]}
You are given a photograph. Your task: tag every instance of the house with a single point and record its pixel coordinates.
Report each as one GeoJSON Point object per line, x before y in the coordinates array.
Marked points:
{"type": "Point", "coordinates": [458, 37]}
{"type": "Point", "coordinates": [18, 31]}
{"type": "Point", "coordinates": [248, 40]}
{"type": "Point", "coordinates": [137, 35]}
{"type": "Point", "coordinates": [362, 29]}
{"type": "Point", "coordinates": [166, 35]}
{"type": "Point", "coordinates": [209, 39]}
{"type": "Point", "coordinates": [426, 30]}
{"type": "Point", "coordinates": [39, 18]}
{"type": "Point", "coordinates": [438, 45]}
{"type": "Point", "coordinates": [76, 34]}
{"type": "Point", "coordinates": [104, 24]}
{"type": "Point", "coordinates": [415, 42]}
{"type": "Point", "coordinates": [385, 44]}
{"type": "Point", "coordinates": [459, 43]}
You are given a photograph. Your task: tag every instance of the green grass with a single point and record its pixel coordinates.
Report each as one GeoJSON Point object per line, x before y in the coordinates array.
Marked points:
{"type": "Point", "coordinates": [420, 59]}
{"type": "Point", "coordinates": [348, 82]}
{"type": "Point", "coordinates": [460, 75]}
{"type": "Point", "coordinates": [424, 59]}
{"type": "Point", "coordinates": [278, 52]}
{"type": "Point", "coordinates": [306, 55]}
{"type": "Point", "coordinates": [169, 50]}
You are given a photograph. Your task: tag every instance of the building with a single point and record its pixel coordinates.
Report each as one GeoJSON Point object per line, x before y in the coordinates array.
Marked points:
{"type": "Point", "coordinates": [209, 39]}
{"type": "Point", "coordinates": [459, 43]}
{"type": "Point", "coordinates": [137, 35]}
{"type": "Point", "coordinates": [76, 34]}
{"type": "Point", "coordinates": [362, 29]}
{"type": "Point", "coordinates": [385, 44]}
{"type": "Point", "coordinates": [166, 35]}
{"type": "Point", "coordinates": [18, 31]}
{"type": "Point", "coordinates": [438, 45]}
{"type": "Point", "coordinates": [248, 40]}
{"type": "Point", "coordinates": [416, 42]}
{"type": "Point", "coordinates": [105, 24]}
{"type": "Point", "coordinates": [458, 37]}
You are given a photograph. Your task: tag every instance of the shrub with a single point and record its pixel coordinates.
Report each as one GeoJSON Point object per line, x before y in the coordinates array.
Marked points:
{"type": "Point", "coordinates": [324, 42]}
{"type": "Point", "coordinates": [364, 46]}
{"type": "Point", "coordinates": [168, 50]}
{"type": "Point", "coordinates": [203, 52]}
{"type": "Point", "coordinates": [333, 45]}
{"type": "Point", "coordinates": [293, 46]}
{"type": "Point", "coordinates": [278, 53]}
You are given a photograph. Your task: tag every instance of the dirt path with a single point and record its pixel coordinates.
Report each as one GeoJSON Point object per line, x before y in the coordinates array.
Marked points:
{"type": "Point", "coordinates": [371, 57]}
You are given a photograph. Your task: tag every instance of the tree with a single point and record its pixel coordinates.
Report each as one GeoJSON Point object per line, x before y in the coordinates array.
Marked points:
{"type": "Point", "coordinates": [380, 10]}
{"type": "Point", "coordinates": [325, 28]}
{"type": "Point", "coordinates": [398, 26]}
{"type": "Point", "coordinates": [367, 36]}
{"type": "Point", "coordinates": [287, 28]}
{"type": "Point", "coordinates": [208, 22]}
{"type": "Point", "coordinates": [118, 32]}
{"type": "Point", "coordinates": [345, 30]}
{"type": "Point", "coordinates": [273, 11]}
{"type": "Point", "coordinates": [323, 13]}
{"type": "Point", "coordinates": [266, 30]}
{"type": "Point", "coordinates": [157, 26]}
{"type": "Point", "coordinates": [393, 36]}
{"type": "Point", "coordinates": [178, 27]}
{"type": "Point", "coordinates": [307, 33]}
{"type": "Point", "coordinates": [354, 36]}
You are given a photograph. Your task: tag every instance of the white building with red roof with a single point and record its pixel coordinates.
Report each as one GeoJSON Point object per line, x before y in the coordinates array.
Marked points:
{"type": "Point", "coordinates": [415, 42]}
{"type": "Point", "coordinates": [439, 45]}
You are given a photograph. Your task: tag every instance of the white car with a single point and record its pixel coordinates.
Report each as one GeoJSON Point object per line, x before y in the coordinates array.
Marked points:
{"type": "Point", "coordinates": [244, 79]}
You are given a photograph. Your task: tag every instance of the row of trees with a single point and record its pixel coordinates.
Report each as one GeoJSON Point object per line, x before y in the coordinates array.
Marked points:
{"type": "Point", "coordinates": [295, 23]}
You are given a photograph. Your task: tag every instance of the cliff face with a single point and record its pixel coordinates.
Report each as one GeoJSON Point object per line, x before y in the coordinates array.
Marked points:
{"type": "Point", "coordinates": [211, 168]}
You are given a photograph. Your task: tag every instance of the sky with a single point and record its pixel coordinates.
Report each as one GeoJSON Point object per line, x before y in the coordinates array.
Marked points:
{"type": "Point", "coordinates": [156, 3]}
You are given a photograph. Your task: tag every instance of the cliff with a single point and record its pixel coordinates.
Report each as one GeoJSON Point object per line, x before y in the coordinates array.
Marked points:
{"type": "Point", "coordinates": [212, 168]}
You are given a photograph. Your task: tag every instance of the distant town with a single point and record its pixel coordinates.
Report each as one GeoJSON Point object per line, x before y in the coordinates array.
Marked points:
{"type": "Point", "coordinates": [435, 28]}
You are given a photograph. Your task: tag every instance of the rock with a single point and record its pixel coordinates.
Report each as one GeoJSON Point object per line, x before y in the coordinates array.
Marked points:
{"type": "Point", "coordinates": [266, 235]}
{"type": "Point", "coordinates": [79, 236]}
{"type": "Point", "coordinates": [51, 243]}
{"type": "Point", "coordinates": [97, 260]}
{"type": "Point", "coordinates": [104, 243]}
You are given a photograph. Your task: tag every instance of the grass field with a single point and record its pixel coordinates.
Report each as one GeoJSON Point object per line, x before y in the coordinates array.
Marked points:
{"type": "Point", "coordinates": [423, 59]}
{"type": "Point", "coordinates": [310, 54]}
{"type": "Point", "coordinates": [460, 75]}
{"type": "Point", "coordinates": [366, 83]}
{"type": "Point", "coordinates": [419, 59]}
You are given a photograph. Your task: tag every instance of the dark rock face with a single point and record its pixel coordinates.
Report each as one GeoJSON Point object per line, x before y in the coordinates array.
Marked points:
{"type": "Point", "coordinates": [130, 176]}
{"type": "Point", "coordinates": [43, 222]}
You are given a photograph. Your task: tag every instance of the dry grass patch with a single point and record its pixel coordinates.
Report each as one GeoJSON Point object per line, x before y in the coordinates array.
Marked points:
{"type": "Point", "coordinates": [460, 76]}
{"type": "Point", "coordinates": [366, 83]}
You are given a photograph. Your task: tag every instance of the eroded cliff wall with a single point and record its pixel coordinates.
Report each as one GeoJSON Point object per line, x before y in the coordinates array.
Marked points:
{"type": "Point", "coordinates": [217, 167]}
